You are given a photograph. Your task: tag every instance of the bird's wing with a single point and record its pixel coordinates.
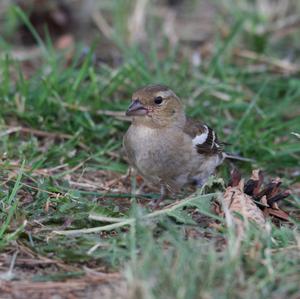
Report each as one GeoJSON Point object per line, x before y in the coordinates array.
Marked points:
{"type": "Point", "coordinates": [203, 137]}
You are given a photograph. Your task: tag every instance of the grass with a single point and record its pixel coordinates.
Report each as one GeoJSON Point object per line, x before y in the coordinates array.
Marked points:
{"type": "Point", "coordinates": [56, 171]}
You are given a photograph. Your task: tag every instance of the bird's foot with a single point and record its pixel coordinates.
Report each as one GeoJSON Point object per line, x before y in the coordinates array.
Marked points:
{"type": "Point", "coordinates": [156, 203]}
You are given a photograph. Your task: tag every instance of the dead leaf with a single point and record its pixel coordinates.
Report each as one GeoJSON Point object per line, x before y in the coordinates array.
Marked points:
{"type": "Point", "coordinates": [252, 202]}
{"type": "Point", "coordinates": [277, 213]}
{"type": "Point", "coordinates": [236, 201]}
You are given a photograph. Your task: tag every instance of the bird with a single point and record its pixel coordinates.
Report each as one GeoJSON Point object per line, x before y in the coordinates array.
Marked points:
{"type": "Point", "coordinates": [165, 146]}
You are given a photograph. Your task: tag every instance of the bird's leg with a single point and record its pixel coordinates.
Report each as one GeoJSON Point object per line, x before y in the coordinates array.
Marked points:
{"type": "Point", "coordinates": [163, 193]}
{"type": "Point", "coordinates": [139, 191]}
{"type": "Point", "coordinates": [133, 173]}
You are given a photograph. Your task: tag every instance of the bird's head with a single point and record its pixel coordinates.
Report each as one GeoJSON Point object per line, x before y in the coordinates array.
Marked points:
{"type": "Point", "coordinates": [156, 106]}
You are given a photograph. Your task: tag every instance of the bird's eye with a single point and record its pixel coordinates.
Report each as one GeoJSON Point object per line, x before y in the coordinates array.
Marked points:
{"type": "Point", "coordinates": [158, 100]}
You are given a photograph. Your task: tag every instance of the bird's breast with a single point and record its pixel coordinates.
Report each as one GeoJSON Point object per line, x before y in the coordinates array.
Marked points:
{"type": "Point", "coordinates": [158, 151]}
{"type": "Point", "coordinates": [149, 144]}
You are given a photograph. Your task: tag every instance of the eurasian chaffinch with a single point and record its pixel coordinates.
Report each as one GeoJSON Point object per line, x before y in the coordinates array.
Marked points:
{"type": "Point", "coordinates": [167, 148]}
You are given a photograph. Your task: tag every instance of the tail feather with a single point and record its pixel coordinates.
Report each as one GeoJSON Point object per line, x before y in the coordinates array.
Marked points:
{"type": "Point", "coordinates": [236, 157]}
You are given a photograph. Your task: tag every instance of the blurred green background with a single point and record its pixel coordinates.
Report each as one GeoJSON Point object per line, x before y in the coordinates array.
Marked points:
{"type": "Point", "coordinates": [67, 72]}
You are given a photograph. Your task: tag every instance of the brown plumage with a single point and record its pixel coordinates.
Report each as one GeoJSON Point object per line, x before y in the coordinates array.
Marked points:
{"type": "Point", "coordinates": [167, 148]}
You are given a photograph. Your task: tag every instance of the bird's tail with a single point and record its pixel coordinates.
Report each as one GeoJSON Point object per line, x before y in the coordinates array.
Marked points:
{"type": "Point", "coordinates": [236, 157]}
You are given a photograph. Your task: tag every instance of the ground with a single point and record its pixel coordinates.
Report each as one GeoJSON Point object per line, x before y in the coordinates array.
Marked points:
{"type": "Point", "coordinates": [63, 94]}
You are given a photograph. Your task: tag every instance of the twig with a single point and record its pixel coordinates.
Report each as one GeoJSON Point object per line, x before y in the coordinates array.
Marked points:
{"type": "Point", "coordinates": [282, 24]}
{"type": "Point", "coordinates": [70, 284]}
{"type": "Point", "coordinates": [87, 186]}
{"type": "Point", "coordinates": [283, 65]}
{"type": "Point", "coordinates": [42, 134]}
{"type": "Point", "coordinates": [42, 171]}
{"type": "Point", "coordinates": [117, 114]}
{"type": "Point", "coordinates": [36, 256]}
{"type": "Point", "coordinates": [24, 54]}
{"type": "Point", "coordinates": [221, 95]}
{"type": "Point", "coordinates": [42, 190]}
{"type": "Point", "coordinates": [291, 247]}
{"type": "Point", "coordinates": [136, 22]}
{"type": "Point", "coordinates": [101, 24]}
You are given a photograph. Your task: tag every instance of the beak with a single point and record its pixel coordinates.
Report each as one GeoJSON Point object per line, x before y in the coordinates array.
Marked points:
{"type": "Point", "coordinates": [136, 109]}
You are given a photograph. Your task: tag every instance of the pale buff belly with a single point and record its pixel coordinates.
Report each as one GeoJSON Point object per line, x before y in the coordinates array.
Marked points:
{"type": "Point", "coordinates": [169, 158]}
